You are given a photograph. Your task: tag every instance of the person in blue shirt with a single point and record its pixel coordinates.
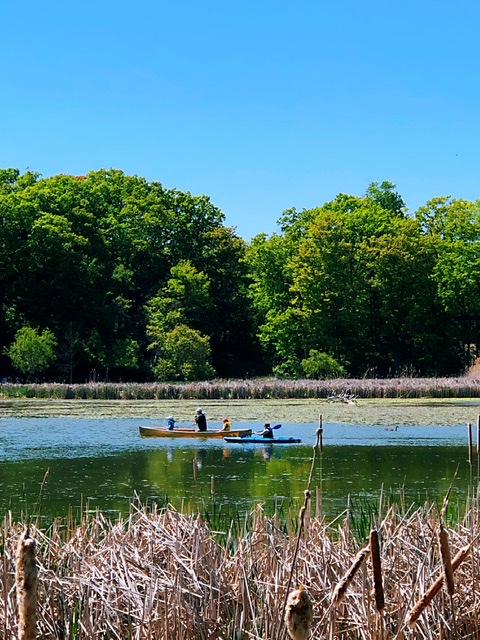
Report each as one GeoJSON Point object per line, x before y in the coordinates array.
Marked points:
{"type": "Point", "coordinates": [170, 423]}
{"type": "Point", "coordinates": [201, 420]}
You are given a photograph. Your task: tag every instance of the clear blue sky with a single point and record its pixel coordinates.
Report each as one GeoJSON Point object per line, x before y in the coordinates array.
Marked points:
{"type": "Point", "coordinates": [262, 105]}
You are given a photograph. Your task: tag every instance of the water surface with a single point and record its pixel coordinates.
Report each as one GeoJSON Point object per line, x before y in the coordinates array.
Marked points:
{"type": "Point", "coordinates": [104, 463]}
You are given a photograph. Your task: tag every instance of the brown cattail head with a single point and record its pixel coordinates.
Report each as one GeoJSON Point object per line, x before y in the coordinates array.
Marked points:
{"type": "Point", "coordinates": [432, 591]}
{"type": "Point", "coordinates": [342, 585]}
{"type": "Point", "coordinates": [446, 561]}
{"type": "Point", "coordinates": [299, 614]}
{"type": "Point", "coordinates": [26, 577]}
{"type": "Point", "coordinates": [377, 570]}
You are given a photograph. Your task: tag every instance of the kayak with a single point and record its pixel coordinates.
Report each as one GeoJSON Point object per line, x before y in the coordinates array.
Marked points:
{"type": "Point", "coordinates": [163, 432]}
{"type": "Point", "coordinates": [260, 440]}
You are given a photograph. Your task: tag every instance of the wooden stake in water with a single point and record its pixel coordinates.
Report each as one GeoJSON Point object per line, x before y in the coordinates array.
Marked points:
{"type": "Point", "coordinates": [320, 432]}
{"type": "Point", "coordinates": [470, 444]}
{"type": "Point", "coordinates": [478, 435]}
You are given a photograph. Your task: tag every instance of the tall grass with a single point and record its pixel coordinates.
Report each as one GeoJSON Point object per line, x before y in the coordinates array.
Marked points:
{"type": "Point", "coordinates": [262, 388]}
{"type": "Point", "coordinates": [161, 575]}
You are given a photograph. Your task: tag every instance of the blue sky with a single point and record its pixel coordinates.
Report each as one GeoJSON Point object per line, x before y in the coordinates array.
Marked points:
{"type": "Point", "coordinates": [262, 105]}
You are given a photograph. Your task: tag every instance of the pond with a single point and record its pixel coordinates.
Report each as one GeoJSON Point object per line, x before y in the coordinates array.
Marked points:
{"type": "Point", "coordinates": [51, 466]}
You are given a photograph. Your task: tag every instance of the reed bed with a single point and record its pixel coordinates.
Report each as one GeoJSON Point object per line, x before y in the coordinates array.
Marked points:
{"type": "Point", "coordinates": [262, 388]}
{"type": "Point", "coordinates": [159, 574]}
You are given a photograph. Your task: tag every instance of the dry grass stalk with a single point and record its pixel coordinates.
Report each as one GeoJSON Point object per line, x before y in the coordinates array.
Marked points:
{"type": "Point", "coordinates": [26, 579]}
{"type": "Point", "coordinates": [343, 584]}
{"type": "Point", "coordinates": [446, 560]}
{"type": "Point", "coordinates": [428, 596]}
{"type": "Point", "coordinates": [377, 570]}
{"type": "Point", "coordinates": [299, 614]}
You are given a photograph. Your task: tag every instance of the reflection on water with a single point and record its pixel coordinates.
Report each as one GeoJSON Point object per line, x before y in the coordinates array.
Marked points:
{"type": "Point", "coordinates": [104, 464]}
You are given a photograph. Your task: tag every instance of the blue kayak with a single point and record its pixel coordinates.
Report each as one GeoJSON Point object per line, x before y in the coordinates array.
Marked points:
{"type": "Point", "coordinates": [261, 440]}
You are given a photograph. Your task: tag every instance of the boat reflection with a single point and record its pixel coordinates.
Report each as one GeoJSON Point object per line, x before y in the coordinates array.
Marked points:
{"type": "Point", "coordinates": [267, 453]}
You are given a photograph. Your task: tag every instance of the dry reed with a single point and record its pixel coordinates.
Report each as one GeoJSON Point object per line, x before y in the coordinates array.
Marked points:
{"type": "Point", "coordinates": [161, 575]}
{"type": "Point", "coordinates": [257, 388]}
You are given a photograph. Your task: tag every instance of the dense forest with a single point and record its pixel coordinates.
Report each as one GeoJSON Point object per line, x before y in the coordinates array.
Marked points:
{"type": "Point", "coordinates": [110, 277]}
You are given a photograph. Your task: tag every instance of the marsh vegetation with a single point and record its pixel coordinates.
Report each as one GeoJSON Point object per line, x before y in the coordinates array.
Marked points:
{"type": "Point", "coordinates": [166, 574]}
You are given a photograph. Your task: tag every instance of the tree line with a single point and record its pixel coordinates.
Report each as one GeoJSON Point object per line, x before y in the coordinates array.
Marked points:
{"type": "Point", "coordinates": [110, 277]}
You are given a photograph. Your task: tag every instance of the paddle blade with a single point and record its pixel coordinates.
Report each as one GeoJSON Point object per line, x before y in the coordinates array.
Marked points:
{"type": "Point", "coordinates": [277, 426]}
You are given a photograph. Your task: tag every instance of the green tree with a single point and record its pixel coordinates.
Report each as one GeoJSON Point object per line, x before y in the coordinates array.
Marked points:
{"type": "Point", "coordinates": [230, 320]}
{"type": "Point", "coordinates": [384, 195]}
{"type": "Point", "coordinates": [279, 329]}
{"type": "Point", "coordinates": [86, 253]}
{"type": "Point", "coordinates": [184, 355]}
{"type": "Point", "coordinates": [185, 299]}
{"type": "Point", "coordinates": [174, 321]}
{"type": "Point", "coordinates": [454, 229]}
{"type": "Point", "coordinates": [32, 351]}
{"type": "Point", "coordinates": [352, 279]}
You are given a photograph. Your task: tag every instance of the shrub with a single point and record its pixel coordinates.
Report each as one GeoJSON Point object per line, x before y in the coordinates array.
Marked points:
{"type": "Point", "coordinates": [321, 366]}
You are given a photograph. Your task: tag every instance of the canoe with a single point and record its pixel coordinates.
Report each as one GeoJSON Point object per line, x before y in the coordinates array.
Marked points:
{"type": "Point", "coordinates": [260, 440]}
{"type": "Point", "coordinates": [163, 432]}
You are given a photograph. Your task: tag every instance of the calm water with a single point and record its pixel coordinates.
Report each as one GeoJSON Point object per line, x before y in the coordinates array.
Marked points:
{"type": "Point", "coordinates": [103, 463]}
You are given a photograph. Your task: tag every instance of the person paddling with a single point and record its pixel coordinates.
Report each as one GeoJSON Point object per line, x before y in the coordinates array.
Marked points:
{"type": "Point", "coordinates": [267, 431]}
{"type": "Point", "coordinates": [170, 423]}
{"type": "Point", "coordinates": [226, 424]}
{"type": "Point", "coordinates": [201, 420]}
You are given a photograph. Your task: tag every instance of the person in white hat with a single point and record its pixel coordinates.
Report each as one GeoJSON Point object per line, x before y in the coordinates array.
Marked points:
{"type": "Point", "coordinates": [170, 423]}
{"type": "Point", "coordinates": [201, 420]}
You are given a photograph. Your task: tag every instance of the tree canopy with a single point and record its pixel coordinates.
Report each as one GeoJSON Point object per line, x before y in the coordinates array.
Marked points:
{"type": "Point", "coordinates": [110, 276]}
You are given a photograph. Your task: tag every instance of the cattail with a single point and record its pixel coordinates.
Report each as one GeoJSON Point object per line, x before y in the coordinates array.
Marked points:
{"type": "Point", "coordinates": [299, 614]}
{"type": "Point", "coordinates": [377, 570]}
{"type": "Point", "coordinates": [342, 586]}
{"type": "Point", "coordinates": [26, 576]}
{"type": "Point", "coordinates": [428, 596]}
{"type": "Point", "coordinates": [446, 560]}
